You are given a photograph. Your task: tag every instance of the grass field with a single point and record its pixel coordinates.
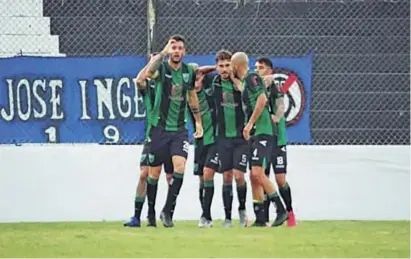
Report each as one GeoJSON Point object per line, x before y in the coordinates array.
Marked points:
{"type": "Point", "coordinates": [111, 239]}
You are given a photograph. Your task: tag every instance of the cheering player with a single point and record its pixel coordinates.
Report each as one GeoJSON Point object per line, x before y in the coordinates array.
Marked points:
{"type": "Point", "coordinates": [264, 67]}
{"type": "Point", "coordinates": [260, 131]}
{"type": "Point", "coordinates": [174, 88]}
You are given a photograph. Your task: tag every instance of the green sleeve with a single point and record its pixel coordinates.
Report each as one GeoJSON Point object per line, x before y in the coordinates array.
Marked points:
{"type": "Point", "coordinates": [254, 83]}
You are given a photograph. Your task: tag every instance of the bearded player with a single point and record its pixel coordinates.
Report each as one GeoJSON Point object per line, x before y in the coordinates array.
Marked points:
{"type": "Point", "coordinates": [259, 130]}
{"type": "Point", "coordinates": [264, 67]}
{"type": "Point", "coordinates": [146, 89]}
{"type": "Point", "coordinates": [231, 146]}
{"type": "Point", "coordinates": [174, 89]}
{"type": "Point", "coordinates": [206, 161]}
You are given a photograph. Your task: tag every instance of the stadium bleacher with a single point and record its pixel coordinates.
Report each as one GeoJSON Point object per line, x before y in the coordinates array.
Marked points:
{"type": "Point", "coordinates": [24, 30]}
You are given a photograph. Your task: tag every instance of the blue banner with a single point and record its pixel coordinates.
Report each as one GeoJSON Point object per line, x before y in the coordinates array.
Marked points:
{"type": "Point", "coordinates": [95, 99]}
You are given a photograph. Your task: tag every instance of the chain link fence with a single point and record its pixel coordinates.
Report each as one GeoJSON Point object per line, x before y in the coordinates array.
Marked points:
{"type": "Point", "coordinates": [361, 69]}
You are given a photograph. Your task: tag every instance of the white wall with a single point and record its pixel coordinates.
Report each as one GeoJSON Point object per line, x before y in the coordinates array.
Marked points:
{"type": "Point", "coordinates": [91, 183]}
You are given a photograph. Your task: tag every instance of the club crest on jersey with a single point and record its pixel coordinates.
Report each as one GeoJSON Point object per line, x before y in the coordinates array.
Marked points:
{"type": "Point", "coordinates": [228, 100]}
{"type": "Point", "coordinates": [292, 87]}
{"type": "Point", "coordinates": [176, 93]}
{"type": "Point", "coordinates": [186, 76]}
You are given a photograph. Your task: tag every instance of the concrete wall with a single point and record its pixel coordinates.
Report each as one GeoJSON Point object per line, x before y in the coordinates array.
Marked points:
{"type": "Point", "coordinates": [92, 183]}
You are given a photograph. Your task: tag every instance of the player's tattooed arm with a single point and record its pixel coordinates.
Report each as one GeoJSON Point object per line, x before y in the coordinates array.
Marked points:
{"type": "Point", "coordinates": [141, 78]}
{"type": "Point", "coordinates": [279, 103]}
{"type": "Point", "coordinates": [155, 62]}
{"type": "Point", "coordinates": [154, 65]}
{"type": "Point", "coordinates": [195, 109]}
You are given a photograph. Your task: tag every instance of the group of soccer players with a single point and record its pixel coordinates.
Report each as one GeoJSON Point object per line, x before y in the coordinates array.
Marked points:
{"type": "Point", "coordinates": [238, 118]}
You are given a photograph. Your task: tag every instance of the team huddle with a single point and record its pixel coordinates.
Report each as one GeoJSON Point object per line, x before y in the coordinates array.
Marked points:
{"type": "Point", "coordinates": [239, 124]}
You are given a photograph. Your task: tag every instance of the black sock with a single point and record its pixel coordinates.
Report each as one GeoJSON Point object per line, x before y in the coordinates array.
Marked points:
{"type": "Point", "coordinates": [227, 200]}
{"type": "Point", "coordinates": [173, 192]}
{"type": "Point", "coordinates": [208, 198]}
{"type": "Point", "coordinates": [259, 211]}
{"type": "Point", "coordinates": [241, 194]}
{"type": "Point", "coordinates": [201, 196]}
{"type": "Point", "coordinates": [285, 192]}
{"type": "Point", "coordinates": [138, 205]}
{"type": "Point", "coordinates": [151, 195]}
{"type": "Point", "coordinates": [275, 198]}
{"type": "Point", "coordinates": [267, 203]}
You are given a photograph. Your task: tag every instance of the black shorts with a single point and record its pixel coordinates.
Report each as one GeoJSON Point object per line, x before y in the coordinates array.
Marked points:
{"type": "Point", "coordinates": [168, 164]}
{"type": "Point", "coordinates": [278, 160]}
{"type": "Point", "coordinates": [260, 150]}
{"type": "Point", "coordinates": [144, 155]}
{"type": "Point", "coordinates": [233, 153]}
{"type": "Point", "coordinates": [205, 156]}
{"type": "Point", "coordinates": [166, 144]}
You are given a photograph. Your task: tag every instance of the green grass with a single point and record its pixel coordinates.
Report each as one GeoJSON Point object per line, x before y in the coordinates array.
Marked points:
{"type": "Point", "coordinates": [111, 239]}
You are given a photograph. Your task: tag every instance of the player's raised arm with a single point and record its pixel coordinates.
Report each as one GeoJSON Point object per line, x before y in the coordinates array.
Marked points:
{"type": "Point", "coordinates": [142, 75]}
{"type": "Point", "coordinates": [154, 64]}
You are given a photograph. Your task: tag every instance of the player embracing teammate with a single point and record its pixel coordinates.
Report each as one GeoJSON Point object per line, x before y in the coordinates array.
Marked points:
{"type": "Point", "coordinates": [233, 127]}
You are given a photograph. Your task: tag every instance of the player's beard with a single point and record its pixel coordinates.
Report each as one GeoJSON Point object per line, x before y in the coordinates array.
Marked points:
{"type": "Point", "coordinates": [225, 76]}
{"type": "Point", "coordinates": [175, 59]}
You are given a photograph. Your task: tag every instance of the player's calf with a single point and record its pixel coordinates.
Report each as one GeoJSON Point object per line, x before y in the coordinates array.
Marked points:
{"type": "Point", "coordinates": [139, 199]}
{"type": "Point", "coordinates": [174, 190]}
{"type": "Point", "coordinates": [208, 176]}
{"type": "Point", "coordinates": [258, 201]}
{"type": "Point", "coordinates": [227, 196]}
{"type": "Point", "coordinates": [285, 192]}
{"type": "Point", "coordinates": [152, 186]}
{"type": "Point", "coordinates": [258, 173]}
{"type": "Point", "coordinates": [241, 194]}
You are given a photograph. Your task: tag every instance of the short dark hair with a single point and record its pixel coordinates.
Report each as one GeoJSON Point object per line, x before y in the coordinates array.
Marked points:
{"type": "Point", "coordinates": [223, 55]}
{"type": "Point", "coordinates": [266, 61]}
{"type": "Point", "coordinates": [178, 37]}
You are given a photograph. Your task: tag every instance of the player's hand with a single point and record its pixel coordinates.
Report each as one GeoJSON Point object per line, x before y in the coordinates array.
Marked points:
{"type": "Point", "coordinates": [247, 130]}
{"type": "Point", "coordinates": [268, 80]}
{"type": "Point", "coordinates": [167, 49]}
{"type": "Point", "coordinates": [274, 118]}
{"type": "Point", "coordinates": [199, 130]}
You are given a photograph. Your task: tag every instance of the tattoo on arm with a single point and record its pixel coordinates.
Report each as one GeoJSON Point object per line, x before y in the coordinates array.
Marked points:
{"type": "Point", "coordinates": [194, 105]}
{"type": "Point", "coordinates": [155, 64]}
{"type": "Point", "coordinates": [279, 102]}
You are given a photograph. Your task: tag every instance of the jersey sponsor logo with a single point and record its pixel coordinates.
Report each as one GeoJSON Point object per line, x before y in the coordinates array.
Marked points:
{"type": "Point", "coordinates": [228, 100]}
{"type": "Point", "coordinates": [263, 142]}
{"type": "Point", "coordinates": [294, 94]}
{"type": "Point", "coordinates": [177, 93]}
{"type": "Point", "coordinates": [186, 77]}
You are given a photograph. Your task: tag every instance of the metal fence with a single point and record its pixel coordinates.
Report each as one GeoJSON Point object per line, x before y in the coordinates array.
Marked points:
{"type": "Point", "coordinates": [361, 70]}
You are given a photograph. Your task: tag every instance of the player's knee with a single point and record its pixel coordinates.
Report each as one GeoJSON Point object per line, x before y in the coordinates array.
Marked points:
{"type": "Point", "coordinates": [228, 177]}
{"type": "Point", "coordinates": [239, 177]}
{"type": "Point", "coordinates": [257, 176]}
{"type": "Point", "coordinates": [179, 164]}
{"type": "Point", "coordinates": [155, 172]}
{"type": "Point", "coordinates": [143, 174]}
{"type": "Point", "coordinates": [280, 179]}
{"type": "Point", "coordinates": [208, 174]}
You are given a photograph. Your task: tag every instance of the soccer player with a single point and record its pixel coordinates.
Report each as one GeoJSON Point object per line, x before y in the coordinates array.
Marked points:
{"type": "Point", "coordinates": [232, 148]}
{"type": "Point", "coordinates": [146, 90]}
{"type": "Point", "coordinates": [259, 130]}
{"type": "Point", "coordinates": [205, 152]}
{"type": "Point", "coordinates": [264, 67]}
{"type": "Point", "coordinates": [174, 88]}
